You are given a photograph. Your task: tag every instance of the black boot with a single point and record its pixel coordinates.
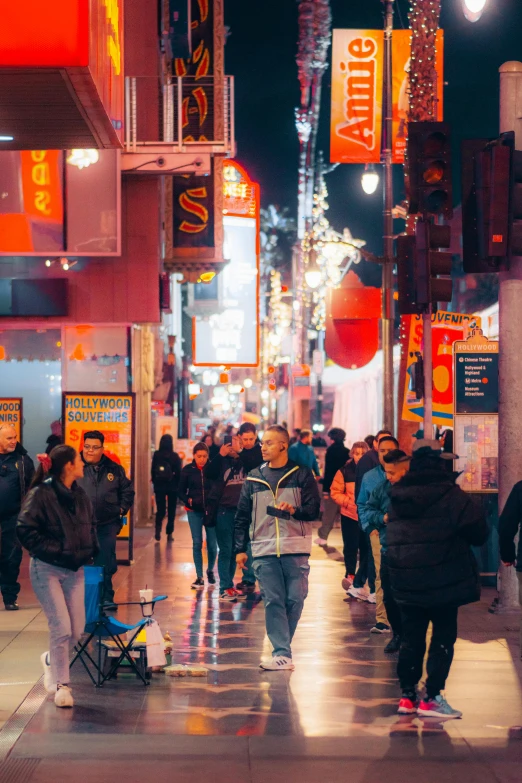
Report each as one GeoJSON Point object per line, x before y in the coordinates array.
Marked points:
{"type": "Point", "coordinates": [393, 645]}
{"type": "Point", "coordinates": [158, 533]}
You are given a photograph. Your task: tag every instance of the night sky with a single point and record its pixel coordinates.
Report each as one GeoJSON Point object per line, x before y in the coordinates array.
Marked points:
{"type": "Point", "coordinates": [260, 53]}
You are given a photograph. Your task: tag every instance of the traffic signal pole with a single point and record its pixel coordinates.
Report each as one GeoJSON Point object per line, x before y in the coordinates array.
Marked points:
{"type": "Point", "coordinates": [388, 261]}
{"type": "Point", "coordinates": [510, 360]}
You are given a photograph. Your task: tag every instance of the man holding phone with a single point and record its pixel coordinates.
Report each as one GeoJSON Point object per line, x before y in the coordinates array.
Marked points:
{"type": "Point", "coordinates": [278, 504]}
{"type": "Point", "coordinates": [238, 455]}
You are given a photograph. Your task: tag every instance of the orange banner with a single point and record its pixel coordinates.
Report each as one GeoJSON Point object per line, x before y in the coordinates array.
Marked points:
{"type": "Point", "coordinates": [356, 120]}
{"type": "Point", "coordinates": [357, 83]}
{"type": "Point", "coordinates": [11, 414]}
{"type": "Point", "coordinates": [401, 43]}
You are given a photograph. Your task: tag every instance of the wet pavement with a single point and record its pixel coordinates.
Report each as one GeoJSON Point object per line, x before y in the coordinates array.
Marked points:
{"type": "Point", "coordinates": [333, 718]}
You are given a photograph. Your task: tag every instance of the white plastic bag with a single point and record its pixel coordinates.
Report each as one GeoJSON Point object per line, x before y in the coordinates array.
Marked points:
{"type": "Point", "coordinates": [155, 645]}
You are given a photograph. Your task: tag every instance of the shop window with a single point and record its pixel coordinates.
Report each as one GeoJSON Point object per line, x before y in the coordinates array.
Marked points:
{"type": "Point", "coordinates": [96, 358]}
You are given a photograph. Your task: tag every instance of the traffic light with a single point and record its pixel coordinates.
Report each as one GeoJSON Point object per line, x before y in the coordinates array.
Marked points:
{"type": "Point", "coordinates": [429, 169]}
{"type": "Point", "coordinates": [423, 271]}
{"type": "Point", "coordinates": [406, 276]}
{"type": "Point", "coordinates": [434, 283]}
{"type": "Point", "coordinates": [491, 203]}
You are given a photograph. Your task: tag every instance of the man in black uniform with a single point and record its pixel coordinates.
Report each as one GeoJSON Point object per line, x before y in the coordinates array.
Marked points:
{"type": "Point", "coordinates": [16, 473]}
{"type": "Point", "coordinates": [112, 495]}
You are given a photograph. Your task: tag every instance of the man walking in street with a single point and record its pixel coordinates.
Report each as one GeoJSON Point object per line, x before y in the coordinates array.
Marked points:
{"type": "Point", "coordinates": [303, 454]}
{"type": "Point", "coordinates": [16, 474]}
{"type": "Point", "coordinates": [278, 503]}
{"type": "Point", "coordinates": [336, 457]}
{"type": "Point", "coordinates": [230, 469]}
{"type": "Point", "coordinates": [369, 482]}
{"type": "Point", "coordinates": [112, 495]}
{"type": "Point", "coordinates": [432, 525]}
{"type": "Point", "coordinates": [508, 529]}
{"type": "Point", "coordinates": [396, 465]}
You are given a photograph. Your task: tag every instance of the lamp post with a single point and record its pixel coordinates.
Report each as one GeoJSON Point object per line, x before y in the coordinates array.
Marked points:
{"type": "Point", "coordinates": [387, 269]}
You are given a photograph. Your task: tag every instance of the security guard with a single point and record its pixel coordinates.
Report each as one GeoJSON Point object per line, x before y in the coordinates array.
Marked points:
{"type": "Point", "coordinates": [112, 495]}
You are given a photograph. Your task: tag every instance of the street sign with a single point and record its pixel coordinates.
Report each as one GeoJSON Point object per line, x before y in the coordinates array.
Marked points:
{"type": "Point", "coordinates": [11, 414]}
{"type": "Point", "coordinates": [476, 412]}
{"type": "Point", "coordinates": [476, 375]}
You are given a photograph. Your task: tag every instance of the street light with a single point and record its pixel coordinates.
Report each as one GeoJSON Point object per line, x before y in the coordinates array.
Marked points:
{"type": "Point", "coordinates": [313, 274]}
{"type": "Point", "coordinates": [473, 9]}
{"type": "Point", "coordinates": [369, 179]}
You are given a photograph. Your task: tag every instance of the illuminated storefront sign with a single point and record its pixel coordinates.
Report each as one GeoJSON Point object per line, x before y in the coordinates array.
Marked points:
{"type": "Point", "coordinates": [11, 414]}
{"type": "Point", "coordinates": [231, 336]}
{"type": "Point", "coordinates": [82, 40]}
{"type": "Point", "coordinates": [113, 416]}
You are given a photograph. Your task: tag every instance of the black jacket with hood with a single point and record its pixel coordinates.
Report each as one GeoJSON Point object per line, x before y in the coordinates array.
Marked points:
{"type": "Point", "coordinates": [56, 525]}
{"type": "Point", "coordinates": [509, 526]}
{"type": "Point", "coordinates": [230, 473]}
{"type": "Point", "coordinates": [109, 490]}
{"type": "Point", "coordinates": [336, 457]}
{"type": "Point", "coordinates": [432, 526]}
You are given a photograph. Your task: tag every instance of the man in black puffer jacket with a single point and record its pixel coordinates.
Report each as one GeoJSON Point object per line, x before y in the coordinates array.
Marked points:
{"type": "Point", "coordinates": [112, 495]}
{"type": "Point", "coordinates": [432, 525]}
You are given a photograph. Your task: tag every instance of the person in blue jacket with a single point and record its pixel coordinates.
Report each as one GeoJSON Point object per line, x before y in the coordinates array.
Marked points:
{"type": "Point", "coordinates": [303, 454]}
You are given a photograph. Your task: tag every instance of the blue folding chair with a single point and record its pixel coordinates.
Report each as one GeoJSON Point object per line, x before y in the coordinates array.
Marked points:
{"type": "Point", "coordinates": [99, 625]}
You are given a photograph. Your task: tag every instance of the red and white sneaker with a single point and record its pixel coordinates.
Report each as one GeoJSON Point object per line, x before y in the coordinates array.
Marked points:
{"type": "Point", "coordinates": [408, 706]}
{"type": "Point", "coordinates": [229, 595]}
{"type": "Point", "coordinates": [347, 582]}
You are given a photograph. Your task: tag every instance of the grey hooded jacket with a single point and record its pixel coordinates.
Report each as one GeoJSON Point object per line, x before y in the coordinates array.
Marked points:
{"type": "Point", "coordinates": [271, 535]}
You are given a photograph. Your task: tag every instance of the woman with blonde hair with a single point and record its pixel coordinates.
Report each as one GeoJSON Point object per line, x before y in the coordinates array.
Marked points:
{"type": "Point", "coordinates": [342, 491]}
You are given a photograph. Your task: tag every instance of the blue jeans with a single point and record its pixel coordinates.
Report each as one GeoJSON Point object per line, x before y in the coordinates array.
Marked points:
{"type": "Point", "coordinates": [61, 594]}
{"type": "Point", "coordinates": [284, 586]}
{"type": "Point", "coordinates": [195, 520]}
{"type": "Point", "coordinates": [106, 557]}
{"type": "Point", "coordinates": [225, 538]}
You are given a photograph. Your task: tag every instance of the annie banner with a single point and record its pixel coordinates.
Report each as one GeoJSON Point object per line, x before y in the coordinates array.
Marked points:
{"type": "Point", "coordinates": [357, 87]}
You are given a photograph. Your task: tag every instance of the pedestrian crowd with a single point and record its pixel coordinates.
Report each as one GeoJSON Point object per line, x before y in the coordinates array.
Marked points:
{"type": "Point", "coordinates": [407, 529]}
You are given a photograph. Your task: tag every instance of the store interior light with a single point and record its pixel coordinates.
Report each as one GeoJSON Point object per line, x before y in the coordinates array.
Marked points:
{"type": "Point", "coordinates": [247, 383]}
{"type": "Point", "coordinates": [473, 9]}
{"type": "Point", "coordinates": [369, 179]}
{"type": "Point", "coordinates": [82, 159]}
{"type": "Point", "coordinates": [48, 263]}
{"type": "Point", "coordinates": [6, 137]}
{"type": "Point", "coordinates": [206, 277]}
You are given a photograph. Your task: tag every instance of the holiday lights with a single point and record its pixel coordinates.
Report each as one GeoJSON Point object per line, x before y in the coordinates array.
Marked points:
{"type": "Point", "coordinates": [424, 20]}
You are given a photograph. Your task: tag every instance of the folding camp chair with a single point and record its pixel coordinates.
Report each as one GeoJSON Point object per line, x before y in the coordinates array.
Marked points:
{"type": "Point", "coordinates": [99, 625]}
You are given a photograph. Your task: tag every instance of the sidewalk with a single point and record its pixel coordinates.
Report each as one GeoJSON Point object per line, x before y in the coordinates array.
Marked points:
{"type": "Point", "coordinates": [333, 719]}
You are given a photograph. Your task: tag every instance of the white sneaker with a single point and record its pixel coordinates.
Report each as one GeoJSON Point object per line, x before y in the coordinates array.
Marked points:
{"type": "Point", "coordinates": [358, 592]}
{"type": "Point", "coordinates": [371, 598]}
{"type": "Point", "coordinates": [321, 541]}
{"type": "Point", "coordinates": [49, 685]}
{"type": "Point", "coordinates": [278, 663]}
{"type": "Point", "coordinates": [64, 697]}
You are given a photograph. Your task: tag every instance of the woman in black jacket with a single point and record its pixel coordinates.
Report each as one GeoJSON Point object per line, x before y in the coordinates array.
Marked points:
{"type": "Point", "coordinates": [165, 474]}
{"type": "Point", "coordinates": [197, 493]}
{"type": "Point", "coordinates": [56, 526]}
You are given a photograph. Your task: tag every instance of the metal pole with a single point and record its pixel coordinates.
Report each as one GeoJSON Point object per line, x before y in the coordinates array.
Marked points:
{"type": "Point", "coordinates": [387, 270]}
{"type": "Point", "coordinates": [428, 374]}
{"type": "Point", "coordinates": [510, 359]}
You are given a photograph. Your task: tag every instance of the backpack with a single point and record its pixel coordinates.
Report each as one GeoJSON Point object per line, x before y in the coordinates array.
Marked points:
{"type": "Point", "coordinates": [163, 473]}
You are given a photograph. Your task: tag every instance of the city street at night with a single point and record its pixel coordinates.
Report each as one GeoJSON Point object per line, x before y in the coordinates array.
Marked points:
{"type": "Point", "coordinates": [260, 382]}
